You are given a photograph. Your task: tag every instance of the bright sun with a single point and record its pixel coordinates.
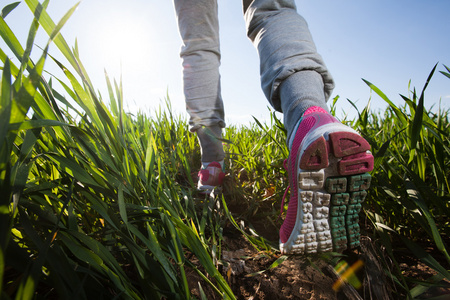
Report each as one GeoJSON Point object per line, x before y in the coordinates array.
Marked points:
{"type": "Point", "coordinates": [122, 38]}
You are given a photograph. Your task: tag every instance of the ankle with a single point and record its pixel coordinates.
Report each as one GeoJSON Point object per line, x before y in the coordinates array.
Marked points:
{"type": "Point", "coordinates": [206, 164]}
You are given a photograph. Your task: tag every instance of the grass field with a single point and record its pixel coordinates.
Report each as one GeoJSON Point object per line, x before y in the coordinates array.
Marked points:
{"type": "Point", "coordinates": [97, 202]}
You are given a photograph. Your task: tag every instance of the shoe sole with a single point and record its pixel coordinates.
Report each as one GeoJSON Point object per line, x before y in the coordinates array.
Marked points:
{"type": "Point", "coordinates": [332, 184]}
{"type": "Point", "coordinates": [207, 189]}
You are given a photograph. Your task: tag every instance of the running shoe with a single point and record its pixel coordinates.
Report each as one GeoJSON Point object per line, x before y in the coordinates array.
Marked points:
{"type": "Point", "coordinates": [210, 177]}
{"type": "Point", "coordinates": [327, 167]}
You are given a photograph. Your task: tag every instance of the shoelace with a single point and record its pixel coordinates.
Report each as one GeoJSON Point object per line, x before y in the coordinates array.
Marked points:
{"type": "Point", "coordinates": [285, 192]}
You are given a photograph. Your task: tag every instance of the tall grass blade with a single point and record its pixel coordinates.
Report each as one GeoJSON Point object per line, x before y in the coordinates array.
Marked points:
{"type": "Point", "coordinates": [8, 8]}
{"type": "Point", "coordinates": [177, 253]}
{"type": "Point", "coordinates": [10, 39]}
{"type": "Point", "coordinates": [121, 201]}
{"type": "Point", "coordinates": [445, 73]}
{"type": "Point", "coordinates": [2, 268]}
{"type": "Point", "coordinates": [26, 62]}
{"type": "Point", "coordinates": [416, 128]}
{"type": "Point", "coordinates": [3, 57]}
{"type": "Point", "coordinates": [202, 293]}
{"type": "Point", "coordinates": [265, 130]}
{"type": "Point", "coordinates": [5, 105]}
{"type": "Point", "coordinates": [420, 202]}
{"type": "Point", "coordinates": [426, 257]}
{"type": "Point", "coordinates": [34, 124]}
{"type": "Point", "coordinates": [400, 115]}
{"type": "Point", "coordinates": [49, 26]}
{"type": "Point", "coordinates": [112, 99]}
{"type": "Point", "coordinates": [5, 152]}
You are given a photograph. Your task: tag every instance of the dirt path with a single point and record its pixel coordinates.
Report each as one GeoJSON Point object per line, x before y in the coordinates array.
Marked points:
{"type": "Point", "coordinates": [312, 277]}
{"type": "Point", "coordinates": [294, 278]}
{"type": "Point", "coordinates": [251, 274]}
{"type": "Point", "coordinates": [251, 277]}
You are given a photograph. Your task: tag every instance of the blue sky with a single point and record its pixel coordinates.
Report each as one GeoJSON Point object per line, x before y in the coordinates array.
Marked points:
{"type": "Point", "coordinates": [385, 42]}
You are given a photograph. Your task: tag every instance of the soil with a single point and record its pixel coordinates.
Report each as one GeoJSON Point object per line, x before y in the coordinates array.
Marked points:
{"type": "Point", "coordinates": [249, 273]}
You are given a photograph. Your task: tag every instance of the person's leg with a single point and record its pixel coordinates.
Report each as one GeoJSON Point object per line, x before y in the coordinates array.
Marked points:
{"type": "Point", "coordinates": [328, 161]}
{"type": "Point", "coordinates": [293, 75]}
{"type": "Point", "coordinates": [199, 30]}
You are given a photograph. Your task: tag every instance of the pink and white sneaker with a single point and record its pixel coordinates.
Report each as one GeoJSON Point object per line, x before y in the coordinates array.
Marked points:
{"type": "Point", "coordinates": [210, 177]}
{"type": "Point", "coordinates": [327, 167]}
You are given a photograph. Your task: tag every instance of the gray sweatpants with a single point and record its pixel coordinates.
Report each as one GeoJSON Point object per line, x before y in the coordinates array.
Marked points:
{"type": "Point", "coordinates": [293, 75]}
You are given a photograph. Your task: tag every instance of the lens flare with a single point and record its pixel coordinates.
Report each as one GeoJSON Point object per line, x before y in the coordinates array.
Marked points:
{"type": "Point", "coordinates": [347, 274]}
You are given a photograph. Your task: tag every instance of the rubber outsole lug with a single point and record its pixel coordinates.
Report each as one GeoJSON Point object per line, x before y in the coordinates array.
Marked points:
{"type": "Point", "coordinates": [347, 143]}
{"type": "Point", "coordinates": [315, 156]}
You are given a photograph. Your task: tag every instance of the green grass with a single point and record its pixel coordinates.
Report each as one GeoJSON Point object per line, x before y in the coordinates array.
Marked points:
{"type": "Point", "coordinates": [409, 199]}
{"type": "Point", "coordinates": [97, 202]}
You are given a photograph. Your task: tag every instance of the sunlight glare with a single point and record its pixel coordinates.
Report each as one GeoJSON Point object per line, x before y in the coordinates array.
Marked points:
{"type": "Point", "coordinates": [123, 39]}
